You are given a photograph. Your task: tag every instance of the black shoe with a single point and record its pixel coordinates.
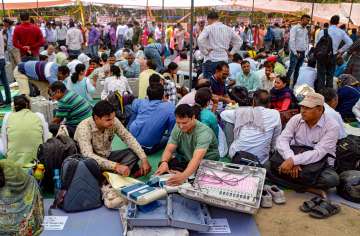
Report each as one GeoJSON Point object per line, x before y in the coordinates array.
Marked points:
{"type": "Point", "coordinates": [2, 105]}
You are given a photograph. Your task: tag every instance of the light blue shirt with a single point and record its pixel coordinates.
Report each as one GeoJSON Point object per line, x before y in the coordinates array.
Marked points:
{"type": "Point", "coordinates": [84, 88]}
{"type": "Point", "coordinates": [130, 71]}
{"type": "Point", "coordinates": [337, 35]}
{"type": "Point", "coordinates": [251, 81]}
{"type": "Point", "coordinates": [234, 69]}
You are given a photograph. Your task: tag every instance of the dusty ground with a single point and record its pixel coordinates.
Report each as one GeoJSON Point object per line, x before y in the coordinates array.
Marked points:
{"type": "Point", "coordinates": [284, 220]}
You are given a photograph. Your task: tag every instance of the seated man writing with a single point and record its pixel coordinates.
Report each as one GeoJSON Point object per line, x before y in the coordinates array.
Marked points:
{"type": "Point", "coordinates": [95, 135]}
{"type": "Point", "coordinates": [151, 118]}
{"type": "Point", "coordinates": [315, 129]}
{"type": "Point", "coordinates": [72, 108]}
{"type": "Point", "coordinates": [190, 141]}
{"type": "Point", "coordinates": [40, 73]}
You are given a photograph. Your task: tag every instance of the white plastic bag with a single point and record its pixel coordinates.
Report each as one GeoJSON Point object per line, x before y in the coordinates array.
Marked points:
{"type": "Point", "coordinates": [223, 147]}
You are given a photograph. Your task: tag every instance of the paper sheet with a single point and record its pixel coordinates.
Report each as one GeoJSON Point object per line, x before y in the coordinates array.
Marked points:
{"type": "Point", "coordinates": [219, 226]}
{"type": "Point", "coordinates": [54, 222]}
{"type": "Point", "coordinates": [118, 181]}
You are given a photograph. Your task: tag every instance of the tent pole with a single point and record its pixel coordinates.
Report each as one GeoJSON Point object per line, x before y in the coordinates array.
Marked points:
{"type": "Point", "coordinates": [146, 12]}
{"type": "Point", "coordinates": [351, 7]}
{"type": "Point", "coordinates": [162, 19]}
{"type": "Point", "coordinates": [3, 7]}
{"type": "Point", "coordinates": [252, 12]}
{"type": "Point", "coordinates": [191, 43]}
{"type": "Point", "coordinates": [312, 11]}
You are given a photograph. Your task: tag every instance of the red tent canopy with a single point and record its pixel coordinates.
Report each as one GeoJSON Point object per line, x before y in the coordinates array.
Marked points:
{"type": "Point", "coordinates": [33, 4]}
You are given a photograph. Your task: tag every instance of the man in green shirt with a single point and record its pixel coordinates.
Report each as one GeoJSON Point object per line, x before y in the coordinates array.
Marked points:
{"type": "Point", "coordinates": [247, 78]}
{"type": "Point", "coordinates": [71, 107]}
{"type": "Point", "coordinates": [192, 141]}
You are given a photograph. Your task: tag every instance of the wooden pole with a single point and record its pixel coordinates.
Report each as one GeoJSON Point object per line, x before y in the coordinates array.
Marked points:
{"type": "Point", "coordinates": [351, 7]}
{"type": "Point", "coordinates": [191, 43]}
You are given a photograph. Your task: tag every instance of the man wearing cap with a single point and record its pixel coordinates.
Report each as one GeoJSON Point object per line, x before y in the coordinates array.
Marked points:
{"type": "Point", "coordinates": [313, 128]}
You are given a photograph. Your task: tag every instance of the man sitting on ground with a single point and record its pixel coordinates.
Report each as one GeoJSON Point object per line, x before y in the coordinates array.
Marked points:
{"type": "Point", "coordinates": [151, 118]}
{"type": "Point", "coordinates": [190, 141]}
{"type": "Point", "coordinates": [331, 101]}
{"type": "Point", "coordinates": [169, 87]}
{"type": "Point", "coordinates": [267, 76]}
{"type": "Point", "coordinates": [39, 73]}
{"type": "Point", "coordinates": [190, 97]}
{"type": "Point", "coordinates": [315, 129]}
{"type": "Point", "coordinates": [254, 125]}
{"type": "Point", "coordinates": [218, 80]}
{"type": "Point", "coordinates": [247, 78]}
{"type": "Point", "coordinates": [144, 78]}
{"type": "Point", "coordinates": [72, 108]}
{"type": "Point", "coordinates": [95, 136]}
{"type": "Point", "coordinates": [130, 67]}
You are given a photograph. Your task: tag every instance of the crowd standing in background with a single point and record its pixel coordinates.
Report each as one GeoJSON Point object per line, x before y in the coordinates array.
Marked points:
{"type": "Point", "coordinates": [246, 94]}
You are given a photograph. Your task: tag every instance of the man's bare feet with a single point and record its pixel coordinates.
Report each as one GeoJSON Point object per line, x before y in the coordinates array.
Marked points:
{"type": "Point", "coordinates": [317, 191]}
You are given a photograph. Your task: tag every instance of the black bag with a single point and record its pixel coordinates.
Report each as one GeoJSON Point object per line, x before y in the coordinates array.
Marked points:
{"type": "Point", "coordinates": [120, 102]}
{"type": "Point", "coordinates": [309, 174]}
{"type": "Point", "coordinates": [246, 158]}
{"type": "Point", "coordinates": [324, 50]}
{"type": "Point", "coordinates": [34, 91]}
{"type": "Point", "coordinates": [52, 154]}
{"type": "Point", "coordinates": [348, 154]}
{"type": "Point", "coordinates": [349, 187]}
{"type": "Point", "coordinates": [80, 185]}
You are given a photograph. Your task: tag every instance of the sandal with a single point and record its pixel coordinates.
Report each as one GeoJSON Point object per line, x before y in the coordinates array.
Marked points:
{"type": "Point", "coordinates": [307, 206]}
{"type": "Point", "coordinates": [324, 210]}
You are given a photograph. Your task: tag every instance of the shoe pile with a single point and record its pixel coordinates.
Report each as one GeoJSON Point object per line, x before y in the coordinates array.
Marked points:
{"type": "Point", "coordinates": [270, 194]}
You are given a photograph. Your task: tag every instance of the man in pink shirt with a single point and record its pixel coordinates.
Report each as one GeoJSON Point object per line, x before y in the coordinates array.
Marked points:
{"type": "Point", "coordinates": [315, 129]}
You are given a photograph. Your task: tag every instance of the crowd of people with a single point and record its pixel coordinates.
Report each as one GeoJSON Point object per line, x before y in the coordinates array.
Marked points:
{"type": "Point", "coordinates": [245, 96]}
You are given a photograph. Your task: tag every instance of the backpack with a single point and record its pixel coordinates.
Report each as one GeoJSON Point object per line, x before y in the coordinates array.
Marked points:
{"type": "Point", "coordinates": [324, 50]}
{"type": "Point", "coordinates": [52, 154]}
{"type": "Point", "coordinates": [120, 102]}
{"type": "Point", "coordinates": [348, 154]}
{"type": "Point", "coordinates": [349, 186]}
{"type": "Point", "coordinates": [80, 185]}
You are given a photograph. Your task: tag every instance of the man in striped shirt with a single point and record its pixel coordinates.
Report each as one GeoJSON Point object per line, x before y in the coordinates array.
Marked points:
{"type": "Point", "coordinates": [72, 108]}
{"type": "Point", "coordinates": [214, 43]}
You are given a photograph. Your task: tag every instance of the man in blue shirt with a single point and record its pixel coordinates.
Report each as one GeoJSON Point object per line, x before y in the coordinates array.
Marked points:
{"type": "Point", "coordinates": [151, 118]}
{"type": "Point", "coordinates": [130, 67]}
{"type": "Point", "coordinates": [40, 73]}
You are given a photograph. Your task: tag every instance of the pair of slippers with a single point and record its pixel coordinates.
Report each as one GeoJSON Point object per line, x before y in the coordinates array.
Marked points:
{"type": "Point", "coordinates": [320, 208]}
{"type": "Point", "coordinates": [270, 194]}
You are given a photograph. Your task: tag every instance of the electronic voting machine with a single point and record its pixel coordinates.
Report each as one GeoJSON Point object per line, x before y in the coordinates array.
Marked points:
{"type": "Point", "coordinates": [226, 185]}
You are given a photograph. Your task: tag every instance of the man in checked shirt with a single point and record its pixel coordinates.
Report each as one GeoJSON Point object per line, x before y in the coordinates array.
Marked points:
{"type": "Point", "coordinates": [214, 43]}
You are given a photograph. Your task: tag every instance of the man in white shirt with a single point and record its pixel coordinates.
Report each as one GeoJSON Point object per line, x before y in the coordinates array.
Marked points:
{"type": "Point", "coordinates": [325, 70]}
{"type": "Point", "coordinates": [61, 32]}
{"type": "Point", "coordinates": [235, 66]}
{"type": "Point", "coordinates": [256, 127]}
{"type": "Point", "coordinates": [74, 39]}
{"type": "Point", "coordinates": [267, 76]}
{"type": "Point", "coordinates": [307, 75]}
{"type": "Point", "coordinates": [50, 53]}
{"type": "Point", "coordinates": [214, 42]}
{"type": "Point", "coordinates": [331, 101]}
{"type": "Point", "coordinates": [120, 35]}
{"type": "Point", "coordinates": [158, 32]}
{"type": "Point", "coordinates": [298, 44]}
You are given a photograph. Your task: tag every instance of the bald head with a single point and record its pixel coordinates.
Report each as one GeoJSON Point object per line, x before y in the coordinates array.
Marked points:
{"type": "Point", "coordinates": [202, 83]}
